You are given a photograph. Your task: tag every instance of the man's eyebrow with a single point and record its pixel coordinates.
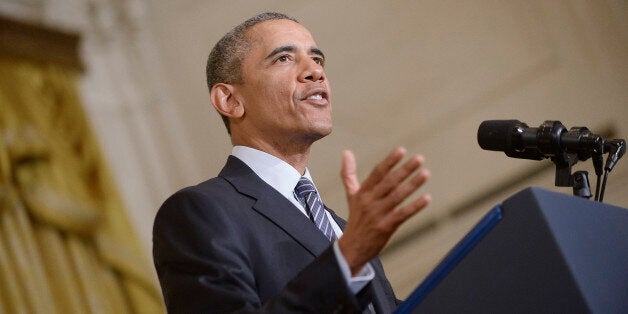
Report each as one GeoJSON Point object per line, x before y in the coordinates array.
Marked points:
{"type": "Point", "coordinates": [280, 50]}
{"type": "Point", "coordinates": [317, 51]}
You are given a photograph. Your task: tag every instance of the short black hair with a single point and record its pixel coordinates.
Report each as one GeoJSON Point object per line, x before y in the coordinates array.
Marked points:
{"type": "Point", "coordinates": [224, 64]}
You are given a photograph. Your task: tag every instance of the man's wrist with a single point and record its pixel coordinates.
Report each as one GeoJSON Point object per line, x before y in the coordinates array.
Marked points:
{"type": "Point", "coordinates": [353, 260]}
{"type": "Point", "coordinates": [356, 281]}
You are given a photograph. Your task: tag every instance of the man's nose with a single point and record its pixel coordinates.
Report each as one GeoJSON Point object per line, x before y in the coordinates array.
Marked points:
{"type": "Point", "coordinates": [312, 71]}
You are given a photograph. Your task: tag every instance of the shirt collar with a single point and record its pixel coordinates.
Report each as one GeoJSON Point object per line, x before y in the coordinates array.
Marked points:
{"type": "Point", "coordinates": [272, 170]}
{"type": "Point", "coordinates": [278, 174]}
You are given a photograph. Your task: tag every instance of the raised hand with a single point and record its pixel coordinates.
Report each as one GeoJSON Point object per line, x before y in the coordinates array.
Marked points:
{"type": "Point", "coordinates": [374, 211]}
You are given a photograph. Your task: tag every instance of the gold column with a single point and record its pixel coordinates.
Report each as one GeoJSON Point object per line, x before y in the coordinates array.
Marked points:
{"type": "Point", "coordinates": [66, 244]}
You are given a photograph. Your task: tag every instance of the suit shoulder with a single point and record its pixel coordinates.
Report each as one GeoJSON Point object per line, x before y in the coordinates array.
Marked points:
{"type": "Point", "coordinates": [213, 188]}
{"type": "Point", "coordinates": [209, 199]}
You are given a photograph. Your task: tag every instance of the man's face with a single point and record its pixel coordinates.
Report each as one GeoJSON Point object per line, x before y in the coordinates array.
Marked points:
{"type": "Point", "coordinates": [286, 95]}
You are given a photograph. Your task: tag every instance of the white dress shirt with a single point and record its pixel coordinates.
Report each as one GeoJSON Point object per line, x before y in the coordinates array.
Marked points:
{"type": "Point", "coordinates": [284, 178]}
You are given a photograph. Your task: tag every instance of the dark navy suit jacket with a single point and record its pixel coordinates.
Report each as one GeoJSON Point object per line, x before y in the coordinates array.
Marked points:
{"type": "Point", "coordinates": [235, 244]}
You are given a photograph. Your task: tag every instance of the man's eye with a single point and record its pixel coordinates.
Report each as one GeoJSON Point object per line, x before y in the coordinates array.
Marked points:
{"type": "Point", "coordinates": [283, 58]}
{"type": "Point", "coordinates": [319, 60]}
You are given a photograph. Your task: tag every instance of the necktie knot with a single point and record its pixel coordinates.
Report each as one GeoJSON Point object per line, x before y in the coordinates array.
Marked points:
{"type": "Point", "coordinates": [308, 197]}
{"type": "Point", "coordinates": [304, 188]}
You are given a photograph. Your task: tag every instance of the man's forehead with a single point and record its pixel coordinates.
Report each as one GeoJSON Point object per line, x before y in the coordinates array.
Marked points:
{"type": "Point", "coordinates": [274, 33]}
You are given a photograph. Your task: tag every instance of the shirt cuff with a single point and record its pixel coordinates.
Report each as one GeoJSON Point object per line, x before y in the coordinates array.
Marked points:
{"type": "Point", "coordinates": [361, 279]}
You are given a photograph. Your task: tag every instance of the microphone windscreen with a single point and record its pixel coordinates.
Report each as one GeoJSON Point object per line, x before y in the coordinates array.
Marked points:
{"type": "Point", "coordinates": [497, 135]}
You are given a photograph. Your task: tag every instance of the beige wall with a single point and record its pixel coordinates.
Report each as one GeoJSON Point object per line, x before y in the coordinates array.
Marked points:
{"type": "Point", "coordinates": [424, 74]}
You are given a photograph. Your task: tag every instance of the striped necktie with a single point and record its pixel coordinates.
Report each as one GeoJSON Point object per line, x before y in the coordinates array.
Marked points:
{"type": "Point", "coordinates": [307, 195]}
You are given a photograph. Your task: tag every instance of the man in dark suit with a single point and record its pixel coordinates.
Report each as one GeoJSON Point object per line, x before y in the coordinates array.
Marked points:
{"type": "Point", "coordinates": [257, 237]}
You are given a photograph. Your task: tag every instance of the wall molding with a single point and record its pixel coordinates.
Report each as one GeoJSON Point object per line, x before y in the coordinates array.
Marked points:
{"type": "Point", "coordinates": [39, 43]}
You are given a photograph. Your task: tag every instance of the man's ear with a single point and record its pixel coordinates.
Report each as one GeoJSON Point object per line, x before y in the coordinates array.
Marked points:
{"type": "Point", "coordinates": [225, 102]}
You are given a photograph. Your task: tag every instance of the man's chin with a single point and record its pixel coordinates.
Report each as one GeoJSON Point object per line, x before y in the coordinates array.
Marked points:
{"type": "Point", "coordinates": [318, 133]}
{"type": "Point", "coordinates": [324, 130]}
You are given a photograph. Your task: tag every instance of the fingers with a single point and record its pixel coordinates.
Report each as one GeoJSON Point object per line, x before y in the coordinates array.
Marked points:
{"type": "Point", "coordinates": [386, 185]}
{"type": "Point", "coordinates": [403, 213]}
{"type": "Point", "coordinates": [394, 179]}
{"type": "Point", "coordinates": [348, 173]}
{"type": "Point", "coordinates": [402, 191]}
{"type": "Point", "coordinates": [384, 167]}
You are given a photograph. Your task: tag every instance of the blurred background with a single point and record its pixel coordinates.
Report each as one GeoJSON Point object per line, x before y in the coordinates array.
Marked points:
{"type": "Point", "coordinates": [105, 113]}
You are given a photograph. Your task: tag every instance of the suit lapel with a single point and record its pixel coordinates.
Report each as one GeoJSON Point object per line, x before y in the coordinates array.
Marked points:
{"type": "Point", "coordinates": [274, 206]}
{"type": "Point", "coordinates": [339, 221]}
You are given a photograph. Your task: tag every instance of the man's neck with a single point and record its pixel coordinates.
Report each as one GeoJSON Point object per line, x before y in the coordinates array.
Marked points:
{"type": "Point", "coordinates": [295, 155]}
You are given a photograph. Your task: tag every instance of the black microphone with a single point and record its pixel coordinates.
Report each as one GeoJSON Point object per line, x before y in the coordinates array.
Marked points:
{"type": "Point", "coordinates": [505, 136]}
{"type": "Point", "coordinates": [516, 139]}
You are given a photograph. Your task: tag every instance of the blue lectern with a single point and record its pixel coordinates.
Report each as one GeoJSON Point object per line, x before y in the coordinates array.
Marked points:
{"type": "Point", "coordinates": [537, 252]}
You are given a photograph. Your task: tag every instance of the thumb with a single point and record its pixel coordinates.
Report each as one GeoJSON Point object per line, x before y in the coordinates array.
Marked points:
{"type": "Point", "coordinates": [348, 173]}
